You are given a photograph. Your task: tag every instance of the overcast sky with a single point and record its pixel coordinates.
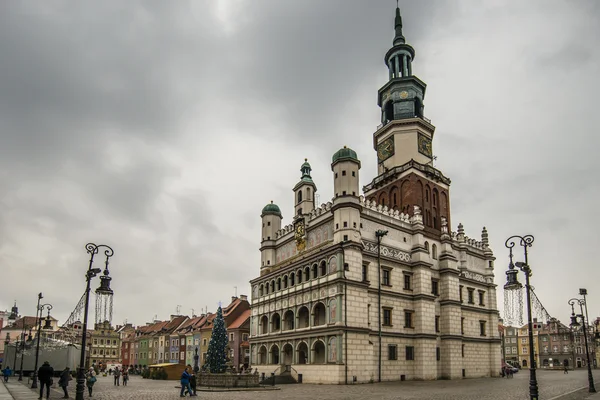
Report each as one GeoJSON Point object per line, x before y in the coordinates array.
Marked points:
{"type": "Point", "coordinates": [161, 128]}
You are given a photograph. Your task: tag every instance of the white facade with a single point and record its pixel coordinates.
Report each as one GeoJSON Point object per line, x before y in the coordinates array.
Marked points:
{"type": "Point", "coordinates": [326, 307]}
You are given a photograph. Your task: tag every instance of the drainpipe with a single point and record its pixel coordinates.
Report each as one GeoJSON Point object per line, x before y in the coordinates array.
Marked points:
{"type": "Point", "coordinates": [345, 317]}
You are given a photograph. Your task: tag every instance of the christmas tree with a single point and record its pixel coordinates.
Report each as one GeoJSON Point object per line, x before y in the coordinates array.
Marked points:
{"type": "Point", "coordinates": [217, 346]}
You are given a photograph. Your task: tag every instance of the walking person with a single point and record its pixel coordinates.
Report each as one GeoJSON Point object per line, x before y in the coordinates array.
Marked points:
{"type": "Point", "coordinates": [125, 377]}
{"type": "Point", "coordinates": [117, 376]}
{"type": "Point", "coordinates": [193, 384]}
{"type": "Point", "coordinates": [45, 374]}
{"type": "Point", "coordinates": [185, 382]}
{"type": "Point", "coordinates": [7, 372]}
{"type": "Point", "coordinates": [566, 369]}
{"type": "Point", "coordinates": [90, 379]}
{"type": "Point", "coordinates": [63, 381]}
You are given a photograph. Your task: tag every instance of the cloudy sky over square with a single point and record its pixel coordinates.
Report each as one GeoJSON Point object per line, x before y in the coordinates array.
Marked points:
{"type": "Point", "coordinates": [161, 128]}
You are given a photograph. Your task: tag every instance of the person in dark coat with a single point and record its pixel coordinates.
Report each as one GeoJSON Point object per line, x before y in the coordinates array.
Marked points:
{"type": "Point", "coordinates": [45, 374]}
{"type": "Point", "coordinates": [63, 382]}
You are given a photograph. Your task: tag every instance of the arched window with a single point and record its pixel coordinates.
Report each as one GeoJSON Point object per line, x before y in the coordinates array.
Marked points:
{"type": "Point", "coordinates": [299, 196]}
{"type": "Point", "coordinates": [260, 290]}
{"type": "Point", "coordinates": [314, 271]}
{"type": "Point", "coordinates": [278, 283]}
{"type": "Point", "coordinates": [323, 268]}
{"type": "Point", "coordinates": [299, 275]}
{"type": "Point", "coordinates": [292, 279]}
{"type": "Point", "coordinates": [434, 251]}
{"type": "Point", "coordinates": [285, 282]}
{"type": "Point", "coordinates": [427, 246]}
{"type": "Point", "coordinates": [306, 274]}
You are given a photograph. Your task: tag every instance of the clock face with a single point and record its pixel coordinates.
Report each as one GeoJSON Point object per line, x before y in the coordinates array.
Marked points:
{"type": "Point", "coordinates": [425, 145]}
{"type": "Point", "coordinates": [300, 229]}
{"type": "Point", "coordinates": [385, 149]}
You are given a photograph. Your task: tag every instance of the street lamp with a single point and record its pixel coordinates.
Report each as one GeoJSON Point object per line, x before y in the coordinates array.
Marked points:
{"type": "Point", "coordinates": [17, 343]}
{"type": "Point", "coordinates": [379, 234]}
{"type": "Point", "coordinates": [583, 292]}
{"type": "Point", "coordinates": [511, 284]}
{"type": "Point", "coordinates": [92, 250]}
{"type": "Point", "coordinates": [23, 328]}
{"type": "Point", "coordinates": [196, 358]}
{"type": "Point", "coordinates": [39, 334]}
{"type": "Point", "coordinates": [574, 324]}
{"type": "Point", "coordinates": [6, 343]}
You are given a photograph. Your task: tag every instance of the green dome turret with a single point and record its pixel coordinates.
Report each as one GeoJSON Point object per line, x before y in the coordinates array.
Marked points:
{"type": "Point", "coordinates": [345, 154]}
{"type": "Point", "coordinates": [271, 209]}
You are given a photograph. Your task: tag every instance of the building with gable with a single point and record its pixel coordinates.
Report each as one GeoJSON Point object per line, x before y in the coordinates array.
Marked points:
{"type": "Point", "coordinates": [375, 285]}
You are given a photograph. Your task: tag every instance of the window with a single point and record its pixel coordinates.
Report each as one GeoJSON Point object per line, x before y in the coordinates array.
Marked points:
{"type": "Point", "coordinates": [182, 355]}
{"type": "Point", "coordinates": [408, 319]}
{"type": "Point", "coordinates": [437, 323]}
{"type": "Point", "coordinates": [365, 273]}
{"type": "Point", "coordinates": [471, 295]}
{"type": "Point", "coordinates": [410, 353]}
{"type": "Point", "coordinates": [95, 342]}
{"type": "Point", "coordinates": [435, 287]}
{"type": "Point", "coordinates": [244, 337]}
{"type": "Point", "coordinates": [353, 173]}
{"type": "Point", "coordinates": [343, 173]}
{"type": "Point", "coordinates": [462, 325]}
{"type": "Point", "coordinates": [434, 251]}
{"type": "Point", "coordinates": [427, 246]}
{"type": "Point", "coordinates": [462, 350]}
{"type": "Point", "coordinates": [407, 283]}
{"type": "Point", "coordinates": [482, 328]}
{"type": "Point", "coordinates": [438, 354]}
{"type": "Point", "coordinates": [385, 279]}
{"type": "Point", "coordinates": [460, 293]}
{"type": "Point", "coordinates": [231, 337]}
{"type": "Point", "coordinates": [204, 342]}
{"type": "Point", "coordinates": [481, 298]}
{"type": "Point", "coordinates": [387, 316]}
{"type": "Point", "coordinates": [392, 352]}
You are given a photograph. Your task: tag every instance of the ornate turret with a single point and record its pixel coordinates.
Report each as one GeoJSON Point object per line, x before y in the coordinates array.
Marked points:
{"type": "Point", "coordinates": [304, 191]}
{"type": "Point", "coordinates": [271, 223]}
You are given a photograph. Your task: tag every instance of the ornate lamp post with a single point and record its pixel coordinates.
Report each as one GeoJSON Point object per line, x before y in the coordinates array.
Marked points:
{"type": "Point", "coordinates": [92, 250]}
{"type": "Point", "coordinates": [574, 324]}
{"type": "Point", "coordinates": [23, 328]}
{"type": "Point", "coordinates": [17, 343]}
{"type": "Point", "coordinates": [39, 334]}
{"type": "Point", "coordinates": [512, 283]}
{"type": "Point", "coordinates": [6, 343]}
{"type": "Point", "coordinates": [196, 358]}
{"type": "Point", "coordinates": [379, 234]}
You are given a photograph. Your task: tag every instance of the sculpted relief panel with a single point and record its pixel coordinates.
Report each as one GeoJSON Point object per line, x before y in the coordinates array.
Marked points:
{"type": "Point", "coordinates": [315, 237]}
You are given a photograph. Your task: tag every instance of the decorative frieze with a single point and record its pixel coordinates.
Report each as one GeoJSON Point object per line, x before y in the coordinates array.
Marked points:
{"type": "Point", "coordinates": [476, 277]}
{"type": "Point", "coordinates": [371, 247]}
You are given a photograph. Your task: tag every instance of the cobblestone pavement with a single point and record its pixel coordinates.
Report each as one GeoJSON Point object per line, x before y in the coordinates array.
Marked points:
{"type": "Point", "coordinates": [553, 385]}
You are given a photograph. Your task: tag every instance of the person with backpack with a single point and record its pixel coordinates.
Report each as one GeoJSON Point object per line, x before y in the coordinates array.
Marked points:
{"type": "Point", "coordinates": [90, 379]}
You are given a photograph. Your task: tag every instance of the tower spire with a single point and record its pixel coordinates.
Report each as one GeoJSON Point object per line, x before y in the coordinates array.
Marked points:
{"type": "Point", "coordinates": [399, 38]}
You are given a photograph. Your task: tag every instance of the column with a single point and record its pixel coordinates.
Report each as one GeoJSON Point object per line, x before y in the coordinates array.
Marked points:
{"type": "Point", "coordinates": [397, 66]}
{"type": "Point", "coordinates": [404, 66]}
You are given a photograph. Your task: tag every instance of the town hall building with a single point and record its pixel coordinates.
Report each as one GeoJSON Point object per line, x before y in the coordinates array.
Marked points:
{"type": "Point", "coordinates": [375, 285]}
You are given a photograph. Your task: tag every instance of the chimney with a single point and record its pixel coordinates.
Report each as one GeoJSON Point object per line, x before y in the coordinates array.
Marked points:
{"type": "Point", "coordinates": [243, 297]}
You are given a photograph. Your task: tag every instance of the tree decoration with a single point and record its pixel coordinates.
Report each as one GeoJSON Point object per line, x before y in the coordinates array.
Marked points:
{"type": "Point", "coordinates": [216, 357]}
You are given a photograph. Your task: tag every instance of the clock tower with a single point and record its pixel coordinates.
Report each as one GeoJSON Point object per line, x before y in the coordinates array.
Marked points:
{"type": "Point", "coordinates": [403, 141]}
